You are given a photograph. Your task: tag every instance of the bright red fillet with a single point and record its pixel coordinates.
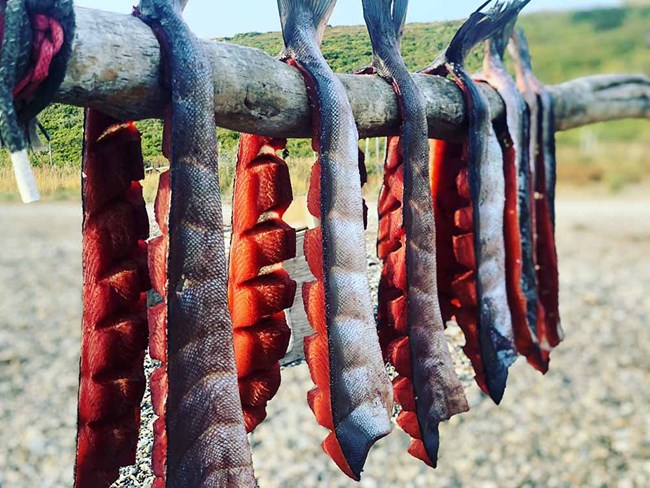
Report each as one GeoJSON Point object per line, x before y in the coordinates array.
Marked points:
{"type": "Point", "coordinates": [158, 252]}
{"type": "Point", "coordinates": [115, 281]}
{"type": "Point", "coordinates": [390, 201]}
{"type": "Point", "coordinates": [390, 241]}
{"type": "Point", "coordinates": [393, 302]}
{"type": "Point", "coordinates": [456, 264]}
{"type": "Point", "coordinates": [547, 273]}
{"type": "Point", "coordinates": [525, 342]}
{"type": "Point", "coordinates": [316, 346]}
{"type": "Point", "coordinates": [259, 290]}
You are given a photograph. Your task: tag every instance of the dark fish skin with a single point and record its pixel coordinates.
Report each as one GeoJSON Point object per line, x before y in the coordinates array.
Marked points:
{"type": "Point", "coordinates": [207, 443]}
{"type": "Point", "coordinates": [437, 391]}
{"type": "Point", "coordinates": [360, 390]}
{"type": "Point", "coordinates": [540, 100]}
{"type": "Point", "coordinates": [496, 339]}
{"type": "Point", "coordinates": [515, 133]}
{"type": "Point", "coordinates": [543, 164]}
{"type": "Point", "coordinates": [548, 145]}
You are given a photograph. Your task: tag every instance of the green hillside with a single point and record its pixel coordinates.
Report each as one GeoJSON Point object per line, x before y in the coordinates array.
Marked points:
{"type": "Point", "coordinates": [564, 45]}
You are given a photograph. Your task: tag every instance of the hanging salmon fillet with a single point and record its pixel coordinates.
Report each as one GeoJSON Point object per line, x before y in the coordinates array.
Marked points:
{"type": "Point", "coordinates": [410, 324]}
{"type": "Point", "coordinates": [543, 164]}
{"type": "Point", "coordinates": [353, 395]}
{"type": "Point", "coordinates": [468, 185]}
{"type": "Point", "coordinates": [259, 290]}
{"type": "Point", "coordinates": [115, 281]}
{"type": "Point", "coordinates": [204, 436]}
{"type": "Point", "coordinates": [513, 134]}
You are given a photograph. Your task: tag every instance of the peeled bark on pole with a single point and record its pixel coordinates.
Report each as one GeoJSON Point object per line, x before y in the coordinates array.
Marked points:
{"type": "Point", "coordinates": [115, 67]}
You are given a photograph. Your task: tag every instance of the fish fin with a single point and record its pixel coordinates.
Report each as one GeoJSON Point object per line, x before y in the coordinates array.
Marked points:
{"type": "Point", "coordinates": [519, 50]}
{"type": "Point", "coordinates": [400, 8]}
{"type": "Point", "coordinates": [478, 27]}
{"type": "Point", "coordinates": [292, 12]}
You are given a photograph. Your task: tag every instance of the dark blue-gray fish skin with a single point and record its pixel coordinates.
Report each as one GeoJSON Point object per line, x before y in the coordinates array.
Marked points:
{"type": "Point", "coordinates": [207, 443]}
{"type": "Point", "coordinates": [548, 128]}
{"type": "Point", "coordinates": [540, 103]}
{"type": "Point", "coordinates": [517, 122]}
{"type": "Point", "coordinates": [496, 339]}
{"type": "Point", "coordinates": [438, 392]}
{"type": "Point", "coordinates": [361, 392]}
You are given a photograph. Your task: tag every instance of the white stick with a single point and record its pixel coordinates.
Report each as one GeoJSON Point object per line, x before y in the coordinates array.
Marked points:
{"type": "Point", "coordinates": [24, 177]}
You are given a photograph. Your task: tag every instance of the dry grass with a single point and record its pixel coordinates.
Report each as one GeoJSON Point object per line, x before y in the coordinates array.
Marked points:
{"type": "Point", "coordinates": [57, 183]}
{"type": "Point", "coordinates": [54, 183]}
{"type": "Point", "coordinates": [611, 166]}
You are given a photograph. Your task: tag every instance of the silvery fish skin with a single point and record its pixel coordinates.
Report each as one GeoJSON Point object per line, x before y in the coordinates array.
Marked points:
{"type": "Point", "coordinates": [437, 390]}
{"type": "Point", "coordinates": [518, 132]}
{"type": "Point", "coordinates": [491, 256]}
{"type": "Point", "coordinates": [361, 393]}
{"type": "Point", "coordinates": [207, 444]}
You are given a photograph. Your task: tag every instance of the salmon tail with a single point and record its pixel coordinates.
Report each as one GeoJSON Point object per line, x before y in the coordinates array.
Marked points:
{"type": "Point", "coordinates": [292, 13]}
{"type": "Point", "coordinates": [115, 281]}
{"type": "Point", "coordinates": [519, 50]}
{"type": "Point", "coordinates": [480, 25]}
{"type": "Point", "coordinates": [259, 290]}
{"type": "Point", "coordinates": [400, 7]}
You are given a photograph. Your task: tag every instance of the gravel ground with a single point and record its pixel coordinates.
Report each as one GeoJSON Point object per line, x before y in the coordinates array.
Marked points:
{"type": "Point", "coordinates": [586, 423]}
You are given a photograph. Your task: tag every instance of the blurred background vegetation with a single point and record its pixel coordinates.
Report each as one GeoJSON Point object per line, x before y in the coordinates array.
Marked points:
{"type": "Point", "coordinates": [564, 45]}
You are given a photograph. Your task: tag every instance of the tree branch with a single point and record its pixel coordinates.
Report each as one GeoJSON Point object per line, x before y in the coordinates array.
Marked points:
{"type": "Point", "coordinates": [115, 68]}
{"type": "Point", "coordinates": [600, 98]}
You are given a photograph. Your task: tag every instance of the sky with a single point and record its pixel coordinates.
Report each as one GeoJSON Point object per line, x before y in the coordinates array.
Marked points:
{"type": "Point", "coordinates": [221, 18]}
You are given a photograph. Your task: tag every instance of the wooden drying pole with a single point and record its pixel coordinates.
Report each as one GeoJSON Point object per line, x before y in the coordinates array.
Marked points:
{"type": "Point", "coordinates": [115, 68]}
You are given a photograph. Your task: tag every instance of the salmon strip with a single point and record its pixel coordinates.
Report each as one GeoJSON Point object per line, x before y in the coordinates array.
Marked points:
{"type": "Point", "coordinates": [353, 395]}
{"type": "Point", "coordinates": [543, 168]}
{"type": "Point", "coordinates": [410, 323]}
{"type": "Point", "coordinates": [115, 281]}
{"type": "Point", "coordinates": [468, 185]}
{"type": "Point", "coordinates": [259, 290]}
{"type": "Point", "coordinates": [513, 134]}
